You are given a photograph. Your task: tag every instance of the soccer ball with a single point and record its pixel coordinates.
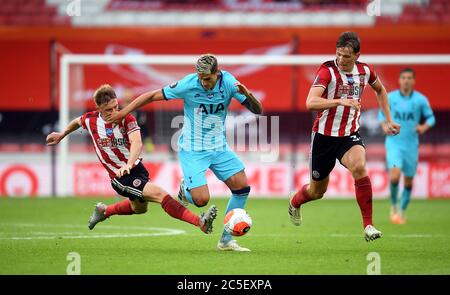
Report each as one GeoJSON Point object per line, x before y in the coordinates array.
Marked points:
{"type": "Point", "coordinates": [237, 222]}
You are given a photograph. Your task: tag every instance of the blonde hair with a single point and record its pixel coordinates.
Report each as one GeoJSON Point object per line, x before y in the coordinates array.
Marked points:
{"type": "Point", "coordinates": [206, 64]}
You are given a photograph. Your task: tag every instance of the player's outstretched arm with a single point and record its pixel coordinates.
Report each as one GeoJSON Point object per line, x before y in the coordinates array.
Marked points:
{"type": "Point", "coordinates": [55, 137]}
{"type": "Point", "coordinates": [315, 101]}
{"type": "Point", "coordinates": [251, 103]}
{"type": "Point", "coordinates": [389, 126]}
{"type": "Point", "coordinates": [140, 101]}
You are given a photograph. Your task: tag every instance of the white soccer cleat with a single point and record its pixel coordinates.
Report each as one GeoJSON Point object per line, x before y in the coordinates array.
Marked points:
{"type": "Point", "coordinates": [181, 196]}
{"type": "Point", "coordinates": [294, 214]}
{"type": "Point", "coordinates": [231, 246]}
{"type": "Point", "coordinates": [371, 233]}
{"type": "Point", "coordinates": [98, 215]}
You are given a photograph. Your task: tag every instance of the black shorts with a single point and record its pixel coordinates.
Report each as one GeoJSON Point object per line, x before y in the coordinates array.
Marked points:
{"type": "Point", "coordinates": [131, 185]}
{"type": "Point", "coordinates": [326, 149]}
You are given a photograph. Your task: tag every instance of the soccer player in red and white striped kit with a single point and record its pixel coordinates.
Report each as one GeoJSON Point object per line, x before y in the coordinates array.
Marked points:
{"type": "Point", "coordinates": [118, 147]}
{"type": "Point", "coordinates": [336, 95]}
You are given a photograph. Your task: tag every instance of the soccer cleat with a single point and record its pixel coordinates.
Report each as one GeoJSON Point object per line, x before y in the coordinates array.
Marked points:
{"type": "Point", "coordinates": [206, 220]}
{"type": "Point", "coordinates": [231, 246]}
{"type": "Point", "coordinates": [401, 219]}
{"type": "Point", "coordinates": [181, 196]}
{"type": "Point", "coordinates": [98, 215]}
{"type": "Point", "coordinates": [371, 233]}
{"type": "Point", "coordinates": [294, 214]}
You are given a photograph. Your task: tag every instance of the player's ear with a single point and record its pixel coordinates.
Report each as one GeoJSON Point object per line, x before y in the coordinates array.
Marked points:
{"type": "Point", "coordinates": [357, 55]}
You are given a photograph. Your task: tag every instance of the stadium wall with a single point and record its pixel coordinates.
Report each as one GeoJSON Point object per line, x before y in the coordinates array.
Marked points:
{"type": "Point", "coordinates": [30, 178]}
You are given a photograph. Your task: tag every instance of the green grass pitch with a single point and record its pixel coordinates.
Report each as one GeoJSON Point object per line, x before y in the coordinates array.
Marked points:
{"type": "Point", "coordinates": [37, 234]}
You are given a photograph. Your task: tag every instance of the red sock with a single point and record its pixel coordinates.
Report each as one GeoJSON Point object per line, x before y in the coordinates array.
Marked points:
{"type": "Point", "coordinates": [363, 189]}
{"type": "Point", "coordinates": [176, 210]}
{"type": "Point", "coordinates": [120, 208]}
{"type": "Point", "coordinates": [301, 197]}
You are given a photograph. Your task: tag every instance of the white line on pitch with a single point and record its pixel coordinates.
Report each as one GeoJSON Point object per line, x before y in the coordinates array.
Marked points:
{"type": "Point", "coordinates": [82, 235]}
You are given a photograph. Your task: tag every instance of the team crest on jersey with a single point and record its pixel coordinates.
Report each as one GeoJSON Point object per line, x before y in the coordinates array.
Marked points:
{"type": "Point", "coordinates": [109, 131]}
{"type": "Point", "coordinates": [137, 182]}
{"type": "Point", "coordinates": [173, 85]}
{"type": "Point", "coordinates": [123, 131]}
{"type": "Point", "coordinates": [350, 80]}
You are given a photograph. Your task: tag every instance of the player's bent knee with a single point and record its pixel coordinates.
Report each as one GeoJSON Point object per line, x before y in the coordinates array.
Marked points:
{"type": "Point", "coordinates": [139, 209]}
{"type": "Point", "coordinates": [200, 202]}
{"type": "Point", "coordinates": [359, 170]}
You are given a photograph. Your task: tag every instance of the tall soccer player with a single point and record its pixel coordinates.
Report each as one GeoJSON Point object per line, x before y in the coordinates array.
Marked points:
{"type": "Point", "coordinates": [118, 147]}
{"type": "Point", "coordinates": [336, 95]}
{"type": "Point", "coordinates": [409, 107]}
{"type": "Point", "coordinates": [207, 95]}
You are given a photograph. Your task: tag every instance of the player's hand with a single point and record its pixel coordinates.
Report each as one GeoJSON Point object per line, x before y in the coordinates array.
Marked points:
{"type": "Point", "coordinates": [123, 171]}
{"type": "Point", "coordinates": [392, 128]}
{"type": "Point", "coordinates": [241, 88]}
{"type": "Point", "coordinates": [113, 117]}
{"type": "Point", "coordinates": [421, 128]}
{"type": "Point", "coordinates": [353, 103]}
{"type": "Point", "coordinates": [54, 138]}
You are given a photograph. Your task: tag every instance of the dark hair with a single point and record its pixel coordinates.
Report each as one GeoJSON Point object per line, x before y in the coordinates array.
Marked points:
{"type": "Point", "coordinates": [104, 94]}
{"type": "Point", "coordinates": [408, 70]}
{"type": "Point", "coordinates": [349, 39]}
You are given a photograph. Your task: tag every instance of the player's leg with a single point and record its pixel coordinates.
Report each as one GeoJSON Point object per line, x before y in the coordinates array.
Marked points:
{"type": "Point", "coordinates": [394, 179]}
{"type": "Point", "coordinates": [406, 198]}
{"type": "Point", "coordinates": [394, 164]}
{"type": "Point", "coordinates": [354, 159]}
{"type": "Point", "coordinates": [311, 191]}
{"type": "Point", "coordinates": [409, 171]}
{"type": "Point", "coordinates": [193, 187]}
{"type": "Point", "coordinates": [129, 186]}
{"type": "Point", "coordinates": [229, 168]}
{"type": "Point", "coordinates": [103, 211]}
{"type": "Point", "coordinates": [154, 193]}
{"type": "Point", "coordinates": [139, 207]}
{"type": "Point", "coordinates": [322, 159]}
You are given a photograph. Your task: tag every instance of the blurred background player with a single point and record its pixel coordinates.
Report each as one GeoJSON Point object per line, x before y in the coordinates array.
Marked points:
{"type": "Point", "coordinates": [336, 94]}
{"type": "Point", "coordinates": [118, 147]}
{"type": "Point", "coordinates": [207, 95]}
{"type": "Point", "coordinates": [408, 107]}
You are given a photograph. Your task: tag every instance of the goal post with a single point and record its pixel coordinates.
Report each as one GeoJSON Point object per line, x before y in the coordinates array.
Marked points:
{"type": "Point", "coordinates": [68, 60]}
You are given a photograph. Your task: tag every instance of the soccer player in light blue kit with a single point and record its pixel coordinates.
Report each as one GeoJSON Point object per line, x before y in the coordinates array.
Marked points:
{"type": "Point", "coordinates": [408, 108]}
{"type": "Point", "coordinates": [207, 95]}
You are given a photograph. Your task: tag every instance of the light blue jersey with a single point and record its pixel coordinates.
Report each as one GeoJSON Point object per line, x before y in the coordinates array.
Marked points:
{"type": "Point", "coordinates": [402, 149]}
{"type": "Point", "coordinates": [204, 111]}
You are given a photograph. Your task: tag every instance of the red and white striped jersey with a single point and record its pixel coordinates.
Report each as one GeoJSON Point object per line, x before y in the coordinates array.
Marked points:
{"type": "Point", "coordinates": [341, 121]}
{"type": "Point", "coordinates": [111, 141]}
